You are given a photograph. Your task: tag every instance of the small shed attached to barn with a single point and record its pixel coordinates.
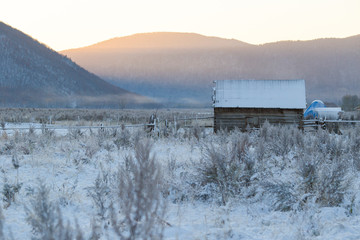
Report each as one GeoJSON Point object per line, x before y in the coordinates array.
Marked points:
{"type": "Point", "coordinates": [242, 103]}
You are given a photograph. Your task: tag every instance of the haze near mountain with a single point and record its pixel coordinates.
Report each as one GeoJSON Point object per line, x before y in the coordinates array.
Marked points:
{"type": "Point", "coordinates": [32, 75]}
{"type": "Point", "coordinates": [179, 68]}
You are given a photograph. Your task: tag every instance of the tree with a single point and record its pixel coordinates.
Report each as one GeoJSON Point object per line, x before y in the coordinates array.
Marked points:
{"type": "Point", "coordinates": [350, 102]}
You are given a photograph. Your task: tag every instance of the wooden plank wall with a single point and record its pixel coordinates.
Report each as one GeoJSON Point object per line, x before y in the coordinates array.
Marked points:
{"type": "Point", "coordinates": [229, 118]}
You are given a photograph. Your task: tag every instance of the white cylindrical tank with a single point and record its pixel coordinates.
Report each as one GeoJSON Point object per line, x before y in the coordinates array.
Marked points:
{"type": "Point", "coordinates": [329, 113]}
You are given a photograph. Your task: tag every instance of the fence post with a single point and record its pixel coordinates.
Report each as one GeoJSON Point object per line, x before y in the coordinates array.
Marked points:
{"type": "Point", "coordinates": [174, 124]}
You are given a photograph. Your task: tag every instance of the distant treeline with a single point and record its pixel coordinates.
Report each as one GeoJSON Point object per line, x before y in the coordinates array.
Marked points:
{"type": "Point", "coordinates": [350, 102]}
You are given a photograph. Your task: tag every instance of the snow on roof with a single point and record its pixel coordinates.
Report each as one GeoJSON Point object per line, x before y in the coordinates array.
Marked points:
{"type": "Point", "coordinates": [260, 94]}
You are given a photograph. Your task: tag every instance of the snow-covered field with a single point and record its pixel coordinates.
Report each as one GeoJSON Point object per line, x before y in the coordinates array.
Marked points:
{"type": "Point", "coordinates": [273, 183]}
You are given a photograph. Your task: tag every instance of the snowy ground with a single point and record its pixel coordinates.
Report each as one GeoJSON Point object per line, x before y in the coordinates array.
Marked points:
{"type": "Point", "coordinates": [69, 162]}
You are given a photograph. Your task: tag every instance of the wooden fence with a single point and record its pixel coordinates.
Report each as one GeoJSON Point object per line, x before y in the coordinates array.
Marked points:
{"type": "Point", "coordinates": [188, 122]}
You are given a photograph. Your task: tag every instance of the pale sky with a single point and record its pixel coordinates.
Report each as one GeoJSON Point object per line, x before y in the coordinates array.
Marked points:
{"type": "Point", "coordinates": [64, 24]}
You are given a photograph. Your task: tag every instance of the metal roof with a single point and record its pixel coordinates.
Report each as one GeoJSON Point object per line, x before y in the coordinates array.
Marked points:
{"type": "Point", "coordinates": [288, 94]}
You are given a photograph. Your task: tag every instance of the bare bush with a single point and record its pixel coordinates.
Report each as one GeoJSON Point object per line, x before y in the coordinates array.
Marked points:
{"type": "Point", "coordinates": [260, 153]}
{"type": "Point", "coordinates": [198, 132]}
{"type": "Point", "coordinates": [283, 195]}
{"type": "Point", "coordinates": [334, 148]}
{"type": "Point", "coordinates": [240, 152]}
{"type": "Point", "coordinates": [140, 202]}
{"type": "Point", "coordinates": [102, 135]}
{"type": "Point", "coordinates": [46, 132]}
{"type": "Point", "coordinates": [332, 184]}
{"type": "Point", "coordinates": [354, 143]}
{"type": "Point", "coordinates": [221, 169]}
{"type": "Point", "coordinates": [91, 147]}
{"type": "Point", "coordinates": [1, 225]}
{"type": "Point", "coordinates": [282, 142]}
{"type": "Point", "coordinates": [95, 230]}
{"type": "Point", "coordinates": [228, 166]}
{"type": "Point", "coordinates": [45, 218]}
{"type": "Point", "coordinates": [9, 192]}
{"type": "Point", "coordinates": [123, 139]}
{"type": "Point", "coordinates": [326, 181]}
{"type": "Point", "coordinates": [265, 130]}
{"type": "Point", "coordinates": [75, 133]}
{"type": "Point", "coordinates": [99, 193]}
{"type": "Point", "coordinates": [67, 191]}
{"type": "Point", "coordinates": [307, 169]}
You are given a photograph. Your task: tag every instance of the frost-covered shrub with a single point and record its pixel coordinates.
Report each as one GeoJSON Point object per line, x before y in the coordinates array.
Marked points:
{"type": "Point", "coordinates": [45, 218]}
{"type": "Point", "coordinates": [138, 135]}
{"type": "Point", "coordinates": [198, 132]}
{"type": "Point", "coordinates": [282, 195]}
{"type": "Point", "coordinates": [265, 130]}
{"type": "Point", "coordinates": [9, 192]}
{"type": "Point", "coordinates": [99, 193]}
{"type": "Point", "coordinates": [228, 166]}
{"type": "Point", "coordinates": [47, 133]}
{"type": "Point", "coordinates": [307, 169]}
{"type": "Point", "coordinates": [1, 225]}
{"type": "Point", "coordinates": [75, 133]}
{"type": "Point", "coordinates": [331, 168]}
{"type": "Point", "coordinates": [220, 168]}
{"type": "Point", "coordinates": [240, 151]}
{"type": "Point", "coordinates": [282, 141]}
{"type": "Point", "coordinates": [181, 181]}
{"type": "Point", "coordinates": [334, 148]}
{"type": "Point", "coordinates": [260, 153]}
{"type": "Point", "coordinates": [320, 140]}
{"type": "Point", "coordinates": [66, 192]}
{"type": "Point", "coordinates": [321, 163]}
{"type": "Point", "coordinates": [298, 138]}
{"type": "Point", "coordinates": [332, 184]}
{"type": "Point", "coordinates": [123, 138]}
{"type": "Point", "coordinates": [2, 124]}
{"type": "Point", "coordinates": [309, 223]}
{"type": "Point", "coordinates": [325, 180]}
{"type": "Point", "coordinates": [103, 135]}
{"type": "Point", "coordinates": [28, 147]}
{"type": "Point", "coordinates": [108, 145]}
{"type": "Point", "coordinates": [91, 147]}
{"type": "Point", "coordinates": [354, 149]}
{"type": "Point", "coordinates": [21, 142]}
{"type": "Point", "coordinates": [140, 204]}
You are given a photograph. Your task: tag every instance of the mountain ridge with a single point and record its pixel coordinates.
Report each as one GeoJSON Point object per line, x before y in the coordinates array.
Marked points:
{"type": "Point", "coordinates": [34, 75]}
{"type": "Point", "coordinates": [153, 40]}
{"type": "Point", "coordinates": [329, 66]}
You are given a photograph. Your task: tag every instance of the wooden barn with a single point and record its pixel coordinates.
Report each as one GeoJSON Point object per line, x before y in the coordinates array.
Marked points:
{"type": "Point", "coordinates": [242, 103]}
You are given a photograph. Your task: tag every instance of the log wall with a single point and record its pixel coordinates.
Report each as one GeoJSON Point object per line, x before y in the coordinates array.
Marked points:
{"type": "Point", "coordinates": [229, 118]}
